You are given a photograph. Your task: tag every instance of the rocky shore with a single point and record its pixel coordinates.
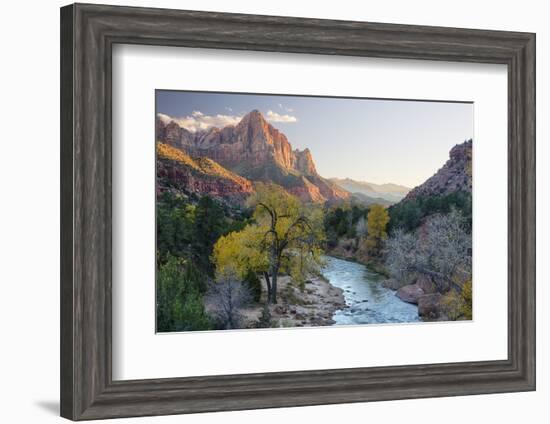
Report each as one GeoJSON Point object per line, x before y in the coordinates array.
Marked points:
{"type": "Point", "coordinates": [314, 306]}
{"type": "Point", "coordinates": [421, 290]}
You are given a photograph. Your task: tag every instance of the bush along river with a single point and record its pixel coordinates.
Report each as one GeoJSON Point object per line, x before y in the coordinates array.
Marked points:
{"type": "Point", "coordinates": [368, 302]}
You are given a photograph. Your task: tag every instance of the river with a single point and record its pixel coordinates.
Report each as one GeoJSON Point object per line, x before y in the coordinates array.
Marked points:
{"type": "Point", "coordinates": [368, 301]}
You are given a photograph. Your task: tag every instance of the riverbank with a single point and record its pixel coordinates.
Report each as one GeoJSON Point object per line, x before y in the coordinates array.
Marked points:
{"type": "Point", "coordinates": [371, 265]}
{"type": "Point", "coordinates": [315, 306]}
{"type": "Point", "coordinates": [351, 294]}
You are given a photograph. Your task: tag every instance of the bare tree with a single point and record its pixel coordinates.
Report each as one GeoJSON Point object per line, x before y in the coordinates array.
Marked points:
{"type": "Point", "coordinates": [402, 254]}
{"type": "Point", "coordinates": [437, 249]}
{"type": "Point", "coordinates": [447, 246]}
{"type": "Point", "coordinates": [227, 296]}
{"type": "Point", "coordinates": [361, 228]}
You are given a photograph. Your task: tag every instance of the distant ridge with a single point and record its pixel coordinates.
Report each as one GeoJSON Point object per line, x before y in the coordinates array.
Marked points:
{"type": "Point", "coordinates": [391, 193]}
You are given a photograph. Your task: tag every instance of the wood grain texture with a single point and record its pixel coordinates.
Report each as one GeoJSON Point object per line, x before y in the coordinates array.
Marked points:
{"type": "Point", "coordinates": [66, 212]}
{"type": "Point", "coordinates": [88, 33]}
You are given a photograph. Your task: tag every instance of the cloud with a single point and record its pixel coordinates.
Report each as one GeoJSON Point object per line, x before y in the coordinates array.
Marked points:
{"type": "Point", "coordinates": [164, 118]}
{"type": "Point", "coordinates": [275, 117]}
{"type": "Point", "coordinates": [198, 121]}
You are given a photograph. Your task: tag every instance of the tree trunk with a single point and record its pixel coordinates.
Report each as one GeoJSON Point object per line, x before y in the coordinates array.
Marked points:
{"type": "Point", "coordinates": [268, 285]}
{"type": "Point", "coordinates": [274, 285]}
{"type": "Point", "coordinates": [274, 269]}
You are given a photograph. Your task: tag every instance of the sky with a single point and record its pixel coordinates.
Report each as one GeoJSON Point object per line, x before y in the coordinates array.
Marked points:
{"type": "Point", "coordinates": [374, 140]}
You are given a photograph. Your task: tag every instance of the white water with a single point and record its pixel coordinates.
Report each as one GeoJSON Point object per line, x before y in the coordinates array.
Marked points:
{"type": "Point", "coordinates": [368, 302]}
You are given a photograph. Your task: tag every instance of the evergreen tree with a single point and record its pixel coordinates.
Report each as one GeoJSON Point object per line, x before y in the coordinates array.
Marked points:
{"type": "Point", "coordinates": [179, 301]}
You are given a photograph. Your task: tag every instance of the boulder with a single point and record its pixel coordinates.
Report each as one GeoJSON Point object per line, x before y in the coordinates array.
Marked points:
{"type": "Point", "coordinates": [280, 310]}
{"type": "Point", "coordinates": [426, 284]}
{"type": "Point", "coordinates": [409, 278]}
{"type": "Point", "coordinates": [410, 293]}
{"type": "Point", "coordinates": [391, 284]}
{"type": "Point", "coordinates": [429, 306]}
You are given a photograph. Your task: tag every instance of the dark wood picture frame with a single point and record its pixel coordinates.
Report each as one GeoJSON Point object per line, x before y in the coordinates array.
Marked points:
{"type": "Point", "coordinates": [88, 33]}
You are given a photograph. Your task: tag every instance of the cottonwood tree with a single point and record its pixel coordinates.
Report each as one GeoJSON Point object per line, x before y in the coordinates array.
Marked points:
{"type": "Point", "coordinates": [239, 252]}
{"type": "Point", "coordinates": [285, 237]}
{"type": "Point", "coordinates": [377, 220]}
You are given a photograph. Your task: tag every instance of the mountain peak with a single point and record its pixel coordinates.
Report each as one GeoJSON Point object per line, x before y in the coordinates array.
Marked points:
{"type": "Point", "coordinates": [258, 151]}
{"type": "Point", "coordinates": [254, 116]}
{"type": "Point", "coordinates": [255, 112]}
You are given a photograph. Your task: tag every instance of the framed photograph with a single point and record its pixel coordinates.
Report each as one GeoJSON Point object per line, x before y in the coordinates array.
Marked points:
{"type": "Point", "coordinates": [263, 212]}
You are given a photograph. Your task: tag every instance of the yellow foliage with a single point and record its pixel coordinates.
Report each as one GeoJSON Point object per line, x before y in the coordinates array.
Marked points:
{"type": "Point", "coordinates": [467, 299]}
{"type": "Point", "coordinates": [238, 252]}
{"type": "Point", "coordinates": [285, 237]}
{"type": "Point", "coordinates": [458, 305]}
{"type": "Point", "coordinates": [377, 220]}
{"type": "Point", "coordinates": [272, 197]}
{"type": "Point", "coordinates": [452, 305]}
{"type": "Point", "coordinates": [292, 221]}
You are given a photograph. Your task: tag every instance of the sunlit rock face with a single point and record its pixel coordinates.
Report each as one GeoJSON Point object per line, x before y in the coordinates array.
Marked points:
{"type": "Point", "coordinates": [257, 151]}
{"type": "Point", "coordinates": [177, 171]}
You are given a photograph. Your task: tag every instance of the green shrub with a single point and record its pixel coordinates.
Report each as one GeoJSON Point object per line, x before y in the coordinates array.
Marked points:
{"type": "Point", "coordinates": [179, 300]}
{"type": "Point", "coordinates": [253, 284]}
{"type": "Point", "coordinates": [409, 214]}
{"type": "Point", "coordinates": [265, 320]}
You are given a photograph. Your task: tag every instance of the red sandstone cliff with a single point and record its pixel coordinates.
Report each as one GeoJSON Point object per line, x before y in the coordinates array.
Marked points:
{"type": "Point", "coordinates": [201, 176]}
{"type": "Point", "coordinates": [257, 151]}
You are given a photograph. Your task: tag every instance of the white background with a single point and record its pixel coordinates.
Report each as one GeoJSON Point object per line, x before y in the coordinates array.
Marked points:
{"type": "Point", "coordinates": [139, 70]}
{"type": "Point", "coordinates": [30, 210]}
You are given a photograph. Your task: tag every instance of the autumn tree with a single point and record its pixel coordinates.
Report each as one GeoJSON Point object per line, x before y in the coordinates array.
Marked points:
{"type": "Point", "coordinates": [285, 236]}
{"type": "Point", "coordinates": [239, 252]}
{"type": "Point", "coordinates": [377, 220]}
{"type": "Point", "coordinates": [457, 304]}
